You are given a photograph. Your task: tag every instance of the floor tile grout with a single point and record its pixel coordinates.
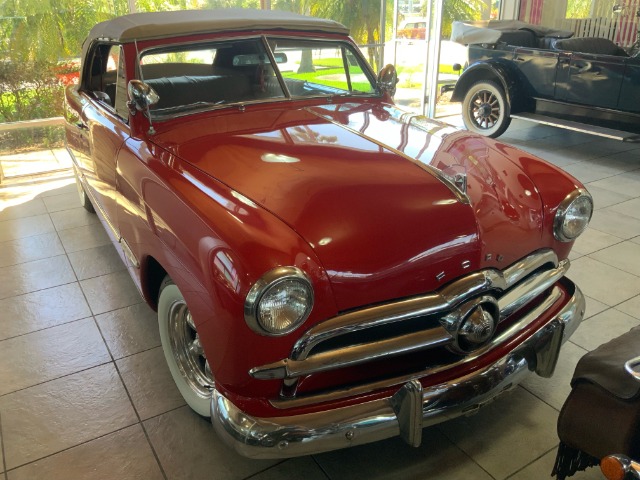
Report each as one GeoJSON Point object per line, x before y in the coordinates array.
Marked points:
{"type": "Point", "coordinates": [69, 448]}
{"type": "Point", "coordinates": [133, 405]}
{"type": "Point", "coordinates": [4, 395]}
{"type": "Point", "coordinates": [4, 455]}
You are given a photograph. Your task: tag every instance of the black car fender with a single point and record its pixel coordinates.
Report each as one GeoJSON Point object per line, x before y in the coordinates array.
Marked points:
{"type": "Point", "coordinates": [495, 71]}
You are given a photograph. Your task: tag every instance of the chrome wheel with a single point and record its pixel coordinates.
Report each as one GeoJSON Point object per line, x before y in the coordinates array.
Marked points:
{"type": "Point", "coordinates": [183, 349]}
{"type": "Point", "coordinates": [485, 109]}
{"type": "Point", "coordinates": [188, 351]}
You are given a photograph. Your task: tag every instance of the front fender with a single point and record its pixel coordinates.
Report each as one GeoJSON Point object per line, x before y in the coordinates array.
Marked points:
{"type": "Point", "coordinates": [497, 72]}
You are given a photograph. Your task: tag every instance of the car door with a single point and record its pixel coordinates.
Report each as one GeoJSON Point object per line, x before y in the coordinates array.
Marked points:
{"type": "Point", "coordinates": [630, 90]}
{"type": "Point", "coordinates": [104, 121]}
{"type": "Point", "coordinates": [538, 69]}
{"type": "Point", "coordinates": [591, 79]}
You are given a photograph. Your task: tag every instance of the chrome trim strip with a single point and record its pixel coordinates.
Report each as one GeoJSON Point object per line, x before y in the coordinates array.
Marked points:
{"type": "Point", "coordinates": [293, 402]}
{"type": "Point", "coordinates": [353, 355]}
{"type": "Point", "coordinates": [524, 292]}
{"type": "Point", "coordinates": [129, 253]}
{"type": "Point", "coordinates": [517, 271]}
{"type": "Point", "coordinates": [290, 436]}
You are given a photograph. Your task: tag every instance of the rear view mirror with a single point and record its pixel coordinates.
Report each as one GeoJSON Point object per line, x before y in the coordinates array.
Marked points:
{"type": "Point", "coordinates": [280, 57]}
{"type": "Point", "coordinates": [254, 59]}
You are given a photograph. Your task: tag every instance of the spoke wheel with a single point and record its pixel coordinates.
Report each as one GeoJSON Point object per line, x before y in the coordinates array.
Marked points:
{"type": "Point", "coordinates": [485, 109]}
{"type": "Point", "coordinates": [183, 349]}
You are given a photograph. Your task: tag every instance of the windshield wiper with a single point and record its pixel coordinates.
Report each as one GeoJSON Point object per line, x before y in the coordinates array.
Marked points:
{"type": "Point", "coordinates": [188, 106]}
{"type": "Point", "coordinates": [351, 94]}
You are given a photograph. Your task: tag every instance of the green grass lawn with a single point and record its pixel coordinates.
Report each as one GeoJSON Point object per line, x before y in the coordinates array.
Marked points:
{"type": "Point", "coordinates": [410, 77]}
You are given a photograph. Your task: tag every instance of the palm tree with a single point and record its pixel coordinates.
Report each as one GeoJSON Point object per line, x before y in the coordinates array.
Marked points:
{"type": "Point", "coordinates": [362, 17]}
{"type": "Point", "coordinates": [460, 10]}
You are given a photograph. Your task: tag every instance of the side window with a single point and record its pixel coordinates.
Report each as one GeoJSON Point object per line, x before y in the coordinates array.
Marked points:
{"type": "Point", "coordinates": [107, 82]}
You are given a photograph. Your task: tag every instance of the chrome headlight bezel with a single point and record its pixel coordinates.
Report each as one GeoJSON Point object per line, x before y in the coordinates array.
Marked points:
{"type": "Point", "coordinates": [573, 200]}
{"type": "Point", "coordinates": [270, 280]}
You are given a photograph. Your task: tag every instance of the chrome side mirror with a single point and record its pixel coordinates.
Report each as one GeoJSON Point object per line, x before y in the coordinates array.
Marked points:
{"type": "Point", "coordinates": [141, 96]}
{"type": "Point", "coordinates": [387, 79]}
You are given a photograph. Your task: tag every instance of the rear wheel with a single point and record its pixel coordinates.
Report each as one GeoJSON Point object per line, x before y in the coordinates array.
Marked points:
{"type": "Point", "coordinates": [485, 109]}
{"type": "Point", "coordinates": [182, 349]}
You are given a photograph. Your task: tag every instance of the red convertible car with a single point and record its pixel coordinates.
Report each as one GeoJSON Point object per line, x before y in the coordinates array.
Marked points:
{"type": "Point", "coordinates": [328, 270]}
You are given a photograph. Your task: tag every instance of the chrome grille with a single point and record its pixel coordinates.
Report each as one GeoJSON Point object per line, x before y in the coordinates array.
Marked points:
{"type": "Point", "coordinates": [420, 323]}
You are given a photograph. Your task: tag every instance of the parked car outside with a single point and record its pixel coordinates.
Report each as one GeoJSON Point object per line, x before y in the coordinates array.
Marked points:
{"type": "Point", "coordinates": [328, 270]}
{"type": "Point", "coordinates": [517, 70]}
{"type": "Point", "coordinates": [413, 29]}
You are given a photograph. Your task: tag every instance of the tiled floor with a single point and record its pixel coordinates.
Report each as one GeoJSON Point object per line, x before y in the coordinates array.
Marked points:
{"type": "Point", "coordinates": [85, 393]}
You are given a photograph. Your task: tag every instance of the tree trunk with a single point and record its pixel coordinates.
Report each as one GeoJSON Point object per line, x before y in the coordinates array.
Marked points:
{"type": "Point", "coordinates": [306, 62]}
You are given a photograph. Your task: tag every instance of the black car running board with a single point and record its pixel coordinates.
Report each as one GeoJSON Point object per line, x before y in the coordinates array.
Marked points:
{"type": "Point", "coordinates": [579, 127]}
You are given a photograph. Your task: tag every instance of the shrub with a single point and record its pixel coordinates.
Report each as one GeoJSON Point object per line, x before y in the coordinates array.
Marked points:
{"type": "Point", "coordinates": [30, 90]}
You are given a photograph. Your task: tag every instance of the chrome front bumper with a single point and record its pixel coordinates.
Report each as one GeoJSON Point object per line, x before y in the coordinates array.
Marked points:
{"type": "Point", "coordinates": [404, 414]}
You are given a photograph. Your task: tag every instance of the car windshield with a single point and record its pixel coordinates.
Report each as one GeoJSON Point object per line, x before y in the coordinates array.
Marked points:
{"type": "Point", "coordinates": [218, 74]}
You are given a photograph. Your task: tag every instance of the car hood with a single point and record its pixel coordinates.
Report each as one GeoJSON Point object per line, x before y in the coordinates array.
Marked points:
{"type": "Point", "coordinates": [363, 185]}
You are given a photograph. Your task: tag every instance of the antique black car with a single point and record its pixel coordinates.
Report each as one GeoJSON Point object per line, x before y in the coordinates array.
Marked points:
{"type": "Point", "coordinates": [523, 71]}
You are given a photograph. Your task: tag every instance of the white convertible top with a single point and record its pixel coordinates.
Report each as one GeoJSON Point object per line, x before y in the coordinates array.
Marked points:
{"type": "Point", "coordinates": [152, 25]}
{"type": "Point", "coordinates": [484, 31]}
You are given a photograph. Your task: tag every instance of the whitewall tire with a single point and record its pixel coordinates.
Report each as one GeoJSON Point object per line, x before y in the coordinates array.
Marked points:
{"type": "Point", "coordinates": [485, 109]}
{"type": "Point", "coordinates": [182, 349]}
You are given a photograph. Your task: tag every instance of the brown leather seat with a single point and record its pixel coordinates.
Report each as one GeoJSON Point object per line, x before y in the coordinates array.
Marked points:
{"type": "Point", "coordinates": [601, 416]}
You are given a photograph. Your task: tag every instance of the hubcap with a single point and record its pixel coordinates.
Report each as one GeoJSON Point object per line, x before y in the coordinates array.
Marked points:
{"type": "Point", "coordinates": [188, 351]}
{"type": "Point", "coordinates": [485, 109]}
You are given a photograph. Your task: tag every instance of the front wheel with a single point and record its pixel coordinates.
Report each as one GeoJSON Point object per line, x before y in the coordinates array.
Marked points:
{"type": "Point", "coordinates": [486, 110]}
{"type": "Point", "coordinates": [182, 349]}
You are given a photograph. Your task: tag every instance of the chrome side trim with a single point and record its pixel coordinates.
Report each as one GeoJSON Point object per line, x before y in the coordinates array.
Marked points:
{"type": "Point", "coordinates": [320, 431]}
{"type": "Point", "coordinates": [129, 253]}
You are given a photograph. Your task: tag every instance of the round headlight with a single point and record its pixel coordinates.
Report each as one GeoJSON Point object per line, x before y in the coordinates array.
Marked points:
{"type": "Point", "coordinates": [573, 215]}
{"type": "Point", "coordinates": [279, 302]}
